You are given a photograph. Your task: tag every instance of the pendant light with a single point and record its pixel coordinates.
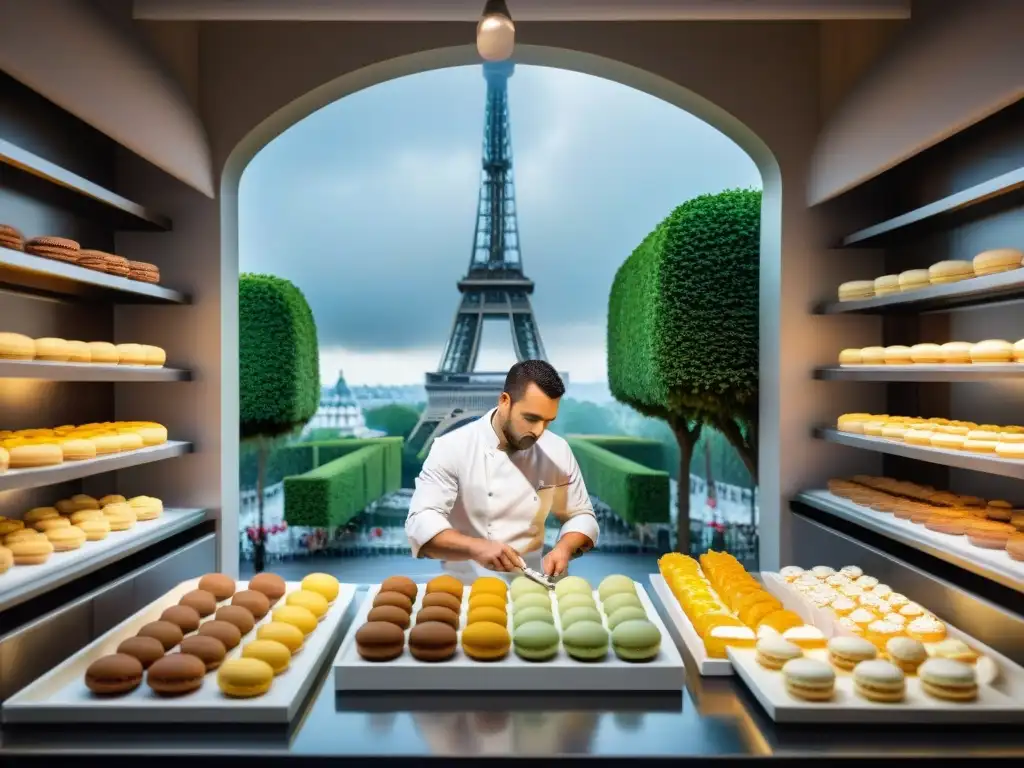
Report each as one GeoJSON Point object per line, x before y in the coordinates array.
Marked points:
{"type": "Point", "coordinates": [495, 32]}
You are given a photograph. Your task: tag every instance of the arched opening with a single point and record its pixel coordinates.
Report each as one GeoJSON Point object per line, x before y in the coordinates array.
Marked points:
{"type": "Point", "coordinates": [640, 80]}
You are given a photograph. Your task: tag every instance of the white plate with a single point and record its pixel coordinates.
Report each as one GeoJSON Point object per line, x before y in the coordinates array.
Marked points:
{"type": "Point", "coordinates": [461, 673]}
{"type": "Point", "coordinates": [706, 665]}
{"type": "Point", "coordinates": [60, 696]}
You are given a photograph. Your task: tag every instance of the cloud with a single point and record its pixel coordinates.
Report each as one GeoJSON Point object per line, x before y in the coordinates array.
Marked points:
{"type": "Point", "coordinates": [369, 207]}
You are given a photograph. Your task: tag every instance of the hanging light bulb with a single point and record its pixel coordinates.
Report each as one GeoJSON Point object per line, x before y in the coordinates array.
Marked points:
{"type": "Point", "coordinates": [495, 32]}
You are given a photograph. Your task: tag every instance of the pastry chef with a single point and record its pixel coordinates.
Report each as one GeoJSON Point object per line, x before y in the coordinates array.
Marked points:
{"type": "Point", "coordinates": [487, 488]}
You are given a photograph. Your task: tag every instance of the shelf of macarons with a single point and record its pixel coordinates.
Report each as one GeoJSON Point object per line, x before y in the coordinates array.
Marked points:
{"type": "Point", "coordinates": [729, 608]}
{"type": "Point", "coordinates": [69, 251]}
{"type": "Point", "coordinates": [954, 353]}
{"type": "Point", "coordinates": [983, 536]}
{"type": "Point", "coordinates": [63, 360]}
{"type": "Point", "coordinates": [1006, 442]}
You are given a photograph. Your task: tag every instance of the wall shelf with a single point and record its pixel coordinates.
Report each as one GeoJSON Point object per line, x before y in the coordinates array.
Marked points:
{"type": "Point", "coordinates": [48, 371]}
{"type": "Point", "coordinates": [22, 583]}
{"type": "Point", "coordinates": [1001, 287]}
{"type": "Point", "coordinates": [25, 273]}
{"type": "Point", "coordinates": [131, 213]}
{"type": "Point", "coordinates": [974, 202]}
{"type": "Point", "coordinates": [920, 373]}
{"type": "Point", "coordinates": [978, 462]}
{"type": "Point", "coordinates": [37, 477]}
{"type": "Point", "coordinates": [995, 565]}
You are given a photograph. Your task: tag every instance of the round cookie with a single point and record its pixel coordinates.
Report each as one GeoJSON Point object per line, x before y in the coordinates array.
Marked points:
{"type": "Point", "coordinates": [489, 585]}
{"type": "Point", "coordinates": [619, 600]}
{"type": "Point", "coordinates": [245, 678]}
{"type": "Point", "coordinates": [270, 584]}
{"type": "Point", "coordinates": [115, 674]}
{"type": "Point", "coordinates": [272, 652]}
{"type": "Point", "coordinates": [625, 613]}
{"type": "Point", "coordinates": [613, 585]}
{"type": "Point", "coordinates": [571, 585]}
{"type": "Point", "coordinates": [293, 614]}
{"type": "Point", "coordinates": [220, 585]}
{"type": "Point", "coordinates": [176, 674]}
{"type": "Point", "coordinates": [95, 530]}
{"type": "Point", "coordinates": [486, 599]}
{"type": "Point", "coordinates": [637, 640]}
{"type": "Point", "coordinates": [393, 615]}
{"type": "Point", "coordinates": [185, 616]}
{"type": "Point", "coordinates": [257, 603]}
{"type": "Point", "coordinates": [445, 583]}
{"type": "Point", "coordinates": [239, 616]}
{"type": "Point", "coordinates": [433, 641]}
{"type": "Point", "coordinates": [323, 583]}
{"type": "Point", "coordinates": [485, 641]}
{"type": "Point", "coordinates": [585, 640]}
{"type": "Point", "coordinates": [575, 600]}
{"type": "Point", "coordinates": [206, 648]}
{"type": "Point", "coordinates": [442, 599]}
{"type": "Point", "coordinates": [536, 641]}
{"type": "Point", "coordinates": [524, 586]}
{"type": "Point", "coordinates": [224, 631]}
{"type": "Point", "coordinates": [380, 641]}
{"type": "Point", "coordinates": [486, 613]}
{"type": "Point", "coordinates": [202, 601]}
{"type": "Point", "coordinates": [532, 614]}
{"type": "Point", "coordinates": [396, 599]}
{"type": "Point", "coordinates": [437, 614]}
{"type": "Point", "coordinates": [532, 600]}
{"type": "Point", "coordinates": [145, 649]}
{"type": "Point", "coordinates": [879, 680]}
{"type": "Point", "coordinates": [289, 636]}
{"type": "Point", "coordinates": [580, 613]}
{"type": "Point", "coordinates": [313, 602]}
{"type": "Point", "coordinates": [402, 584]}
{"type": "Point", "coordinates": [167, 633]}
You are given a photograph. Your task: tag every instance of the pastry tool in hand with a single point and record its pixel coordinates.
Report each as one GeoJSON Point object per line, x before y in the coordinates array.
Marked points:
{"type": "Point", "coordinates": [533, 575]}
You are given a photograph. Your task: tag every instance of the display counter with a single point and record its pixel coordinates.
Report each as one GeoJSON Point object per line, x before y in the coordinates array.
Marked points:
{"type": "Point", "coordinates": [710, 717]}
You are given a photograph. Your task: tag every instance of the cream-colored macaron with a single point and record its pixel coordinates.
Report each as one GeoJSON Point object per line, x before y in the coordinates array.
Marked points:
{"type": "Point", "coordinates": [856, 290]}
{"type": "Point", "coordinates": [16, 346]}
{"type": "Point", "coordinates": [950, 271]}
{"type": "Point", "coordinates": [54, 350]}
{"type": "Point", "coordinates": [992, 351]}
{"type": "Point", "coordinates": [887, 284]}
{"type": "Point", "coordinates": [78, 352]}
{"type": "Point", "coordinates": [913, 279]}
{"type": "Point", "coordinates": [956, 352]}
{"type": "Point", "coordinates": [997, 260]}
{"type": "Point", "coordinates": [850, 357]}
{"type": "Point", "coordinates": [103, 352]}
{"type": "Point", "coordinates": [898, 355]}
{"type": "Point", "coordinates": [873, 355]}
{"type": "Point", "coordinates": [926, 354]}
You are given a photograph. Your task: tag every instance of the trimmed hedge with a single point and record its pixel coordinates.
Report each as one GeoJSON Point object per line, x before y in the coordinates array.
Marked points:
{"type": "Point", "coordinates": [332, 494]}
{"type": "Point", "coordinates": [683, 312]}
{"type": "Point", "coordinates": [650, 453]}
{"type": "Point", "coordinates": [634, 492]}
{"type": "Point", "coordinates": [299, 458]}
{"type": "Point", "coordinates": [281, 462]}
{"type": "Point", "coordinates": [279, 362]}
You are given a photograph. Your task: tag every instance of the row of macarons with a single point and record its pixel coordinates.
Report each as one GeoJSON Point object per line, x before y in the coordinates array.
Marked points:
{"type": "Point", "coordinates": [995, 526]}
{"type": "Point", "coordinates": [1005, 441]}
{"type": "Point", "coordinates": [28, 448]}
{"type": "Point", "coordinates": [486, 636]}
{"type": "Point", "coordinates": [65, 527]}
{"type": "Point", "coordinates": [943, 272]}
{"type": "Point", "coordinates": [203, 642]}
{"type": "Point", "coordinates": [987, 352]}
{"type": "Point", "coordinates": [880, 680]}
{"type": "Point", "coordinates": [17, 346]}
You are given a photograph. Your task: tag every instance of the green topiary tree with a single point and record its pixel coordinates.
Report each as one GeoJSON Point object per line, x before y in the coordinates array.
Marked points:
{"type": "Point", "coordinates": [279, 370]}
{"type": "Point", "coordinates": [683, 327]}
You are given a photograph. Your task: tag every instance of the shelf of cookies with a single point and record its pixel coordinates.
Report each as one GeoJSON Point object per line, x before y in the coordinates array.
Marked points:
{"type": "Point", "coordinates": [992, 455]}
{"type": "Point", "coordinates": [65, 279]}
{"type": "Point", "coordinates": [442, 636]}
{"type": "Point", "coordinates": [983, 537]}
{"type": "Point", "coordinates": [955, 361]}
{"type": "Point", "coordinates": [133, 215]}
{"type": "Point", "coordinates": [887, 660]}
{"type": "Point", "coordinates": [715, 603]}
{"type": "Point", "coordinates": [47, 547]}
{"type": "Point", "coordinates": [53, 359]}
{"type": "Point", "coordinates": [209, 651]}
{"type": "Point", "coordinates": [33, 458]}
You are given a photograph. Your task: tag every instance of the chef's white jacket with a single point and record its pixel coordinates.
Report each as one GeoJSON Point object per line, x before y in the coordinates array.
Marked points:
{"type": "Point", "coordinates": [469, 484]}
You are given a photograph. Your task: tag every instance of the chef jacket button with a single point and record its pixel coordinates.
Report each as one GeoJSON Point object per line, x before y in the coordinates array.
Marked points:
{"type": "Point", "coordinates": [490, 493]}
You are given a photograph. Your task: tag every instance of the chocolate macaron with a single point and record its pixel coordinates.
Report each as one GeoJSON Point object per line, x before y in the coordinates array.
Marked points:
{"type": "Point", "coordinates": [204, 602]}
{"type": "Point", "coordinates": [220, 585]}
{"type": "Point", "coordinates": [224, 631]}
{"type": "Point", "coordinates": [239, 616]}
{"type": "Point", "coordinates": [257, 603]}
{"type": "Point", "coordinates": [396, 599]}
{"type": "Point", "coordinates": [167, 633]}
{"type": "Point", "coordinates": [145, 649]}
{"type": "Point", "coordinates": [114, 674]}
{"type": "Point", "coordinates": [437, 613]}
{"type": "Point", "coordinates": [185, 616]}
{"type": "Point", "coordinates": [380, 641]}
{"type": "Point", "coordinates": [176, 674]}
{"type": "Point", "coordinates": [402, 584]}
{"type": "Point", "coordinates": [389, 613]}
{"type": "Point", "coordinates": [443, 599]}
{"type": "Point", "coordinates": [206, 648]}
{"type": "Point", "coordinates": [270, 584]}
{"type": "Point", "coordinates": [433, 640]}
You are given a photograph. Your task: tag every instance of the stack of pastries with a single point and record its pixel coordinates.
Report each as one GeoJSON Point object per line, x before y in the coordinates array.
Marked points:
{"type": "Point", "coordinates": [1006, 442]}
{"type": "Point", "coordinates": [987, 524]}
{"type": "Point", "coordinates": [985, 352]}
{"type": "Point", "coordinates": [728, 607]}
{"type": "Point", "coordinates": [45, 447]}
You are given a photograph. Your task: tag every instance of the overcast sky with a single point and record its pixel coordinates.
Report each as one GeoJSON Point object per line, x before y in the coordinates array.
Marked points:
{"type": "Point", "coordinates": [369, 207]}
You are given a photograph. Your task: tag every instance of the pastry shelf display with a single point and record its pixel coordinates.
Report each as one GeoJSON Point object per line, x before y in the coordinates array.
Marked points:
{"type": "Point", "coordinates": [37, 556]}
{"type": "Point", "coordinates": [66, 280]}
{"type": "Point", "coordinates": [133, 215]}
{"type": "Point", "coordinates": [887, 660]}
{"type": "Point", "coordinates": [952, 361]}
{"type": "Point", "coordinates": [209, 651]}
{"type": "Point", "coordinates": [53, 359]}
{"type": "Point", "coordinates": [989, 463]}
{"type": "Point", "coordinates": [45, 370]}
{"type": "Point", "coordinates": [998, 193]}
{"type": "Point", "coordinates": [739, 611]}
{"type": "Point", "coordinates": [442, 636]}
{"type": "Point", "coordinates": [998, 564]}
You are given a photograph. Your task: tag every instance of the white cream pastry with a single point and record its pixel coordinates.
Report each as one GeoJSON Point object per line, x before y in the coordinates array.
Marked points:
{"type": "Point", "coordinates": [805, 636]}
{"type": "Point", "coordinates": [911, 610]}
{"type": "Point", "coordinates": [791, 572]}
{"type": "Point", "coordinates": [895, 618]}
{"type": "Point", "coordinates": [866, 582]}
{"type": "Point", "coordinates": [897, 600]}
{"type": "Point", "coordinates": [837, 580]}
{"type": "Point", "coordinates": [862, 616]}
{"type": "Point", "coordinates": [822, 571]}
{"type": "Point", "coordinates": [851, 571]}
{"type": "Point", "coordinates": [882, 590]}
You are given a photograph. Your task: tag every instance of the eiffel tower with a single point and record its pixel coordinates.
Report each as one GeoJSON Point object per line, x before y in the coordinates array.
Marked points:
{"type": "Point", "coordinates": [494, 288]}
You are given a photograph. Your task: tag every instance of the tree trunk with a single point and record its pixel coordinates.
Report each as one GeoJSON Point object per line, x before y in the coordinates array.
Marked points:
{"type": "Point", "coordinates": [746, 448]}
{"type": "Point", "coordinates": [686, 437]}
{"type": "Point", "coordinates": [259, 544]}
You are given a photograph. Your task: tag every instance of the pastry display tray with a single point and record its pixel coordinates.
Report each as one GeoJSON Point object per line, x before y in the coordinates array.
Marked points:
{"type": "Point", "coordinates": [461, 673]}
{"type": "Point", "coordinates": [1000, 691]}
{"type": "Point", "coordinates": [60, 696]}
{"type": "Point", "coordinates": [706, 665]}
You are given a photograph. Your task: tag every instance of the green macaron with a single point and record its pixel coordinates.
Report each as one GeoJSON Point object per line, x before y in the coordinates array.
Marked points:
{"type": "Point", "coordinates": [576, 600]}
{"type": "Point", "coordinates": [625, 613]}
{"type": "Point", "coordinates": [613, 603]}
{"type": "Point", "coordinates": [613, 585]}
{"type": "Point", "coordinates": [571, 584]}
{"type": "Point", "coordinates": [524, 586]}
{"type": "Point", "coordinates": [579, 613]}
{"type": "Point", "coordinates": [532, 600]}
{"type": "Point", "coordinates": [528, 615]}
{"type": "Point", "coordinates": [585, 640]}
{"type": "Point", "coordinates": [536, 641]}
{"type": "Point", "coordinates": [636, 640]}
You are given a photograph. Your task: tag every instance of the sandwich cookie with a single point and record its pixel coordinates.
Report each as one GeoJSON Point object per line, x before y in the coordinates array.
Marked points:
{"type": "Point", "coordinates": [176, 674]}
{"type": "Point", "coordinates": [224, 631]}
{"type": "Point", "coordinates": [202, 601]}
{"type": "Point", "coordinates": [952, 271]}
{"type": "Point", "coordinates": [997, 260]}
{"type": "Point", "coordinates": [56, 248]}
{"type": "Point", "coordinates": [143, 272]}
{"type": "Point", "coordinates": [397, 599]}
{"type": "Point", "coordinates": [255, 602]}
{"type": "Point", "coordinates": [52, 350]}
{"type": "Point", "coordinates": [585, 640]}
{"type": "Point", "coordinates": [948, 680]}
{"type": "Point", "coordinates": [394, 615]}
{"type": "Point", "coordinates": [313, 602]}
{"type": "Point", "coordinates": [114, 675]}
{"type": "Point", "coordinates": [485, 641]}
{"type": "Point", "coordinates": [272, 652]}
{"type": "Point", "coordinates": [879, 681]}
{"type": "Point", "coordinates": [11, 238]}
{"type": "Point", "coordinates": [536, 641]}
{"type": "Point", "coordinates": [379, 641]}
{"type": "Point", "coordinates": [220, 585]}
{"type": "Point", "coordinates": [809, 679]}
{"type": "Point", "coordinates": [145, 649]}
{"type": "Point", "coordinates": [857, 290]}
{"type": "Point", "coordinates": [847, 652]}
{"type": "Point", "coordinates": [289, 636]}
{"type": "Point", "coordinates": [446, 584]}
{"type": "Point", "coordinates": [322, 583]}
{"type": "Point", "coordinates": [237, 615]}
{"type": "Point", "coordinates": [440, 599]}
{"type": "Point", "coordinates": [433, 640]}
{"type": "Point", "coordinates": [270, 584]}
{"type": "Point", "coordinates": [402, 584]}
{"type": "Point", "coordinates": [245, 678]}
{"type": "Point", "coordinates": [207, 649]}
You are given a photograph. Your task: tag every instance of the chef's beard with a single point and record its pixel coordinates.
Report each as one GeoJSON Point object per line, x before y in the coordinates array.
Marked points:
{"type": "Point", "coordinates": [515, 442]}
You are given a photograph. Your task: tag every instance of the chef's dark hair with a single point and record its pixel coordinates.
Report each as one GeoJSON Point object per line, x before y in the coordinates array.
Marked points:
{"type": "Point", "coordinates": [539, 372]}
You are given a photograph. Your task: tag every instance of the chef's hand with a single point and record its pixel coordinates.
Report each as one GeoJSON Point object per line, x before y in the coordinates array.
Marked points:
{"type": "Point", "coordinates": [496, 556]}
{"type": "Point", "coordinates": [556, 562]}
